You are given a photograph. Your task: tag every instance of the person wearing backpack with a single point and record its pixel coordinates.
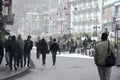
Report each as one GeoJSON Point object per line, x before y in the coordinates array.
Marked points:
{"type": "Point", "coordinates": [54, 48]}
{"type": "Point", "coordinates": [100, 55]}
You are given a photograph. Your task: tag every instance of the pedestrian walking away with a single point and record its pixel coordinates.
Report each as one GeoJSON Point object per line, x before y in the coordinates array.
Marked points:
{"type": "Point", "coordinates": [13, 49]}
{"type": "Point", "coordinates": [7, 53]}
{"type": "Point", "coordinates": [54, 48]}
{"type": "Point", "coordinates": [37, 44]}
{"type": "Point", "coordinates": [44, 50]}
{"type": "Point", "coordinates": [100, 55]}
{"type": "Point", "coordinates": [20, 51]}
{"type": "Point", "coordinates": [1, 50]}
{"type": "Point", "coordinates": [85, 44]}
{"type": "Point", "coordinates": [28, 45]}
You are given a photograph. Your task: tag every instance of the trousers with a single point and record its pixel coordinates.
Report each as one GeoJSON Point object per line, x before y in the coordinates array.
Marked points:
{"type": "Point", "coordinates": [104, 73]}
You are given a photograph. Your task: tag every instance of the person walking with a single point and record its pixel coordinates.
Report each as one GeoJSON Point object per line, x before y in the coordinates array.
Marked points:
{"type": "Point", "coordinates": [13, 49]}
{"type": "Point", "coordinates": [28, 44]}
{"type": "Point", "coordinates": [44, 50]}
{"type": "Point", "coordinates": [20, 52]}
{"type": "Point", "coordinates": [54, 48]}
{"type": "Point", "coordinates": [1, 50]}
{"type": "Point", "coordinates": [100, 54]}
{"type": "Point", "coordinates": [71, 46]}
{"type": "Point", "coordinates": [7, 53]}
{"type": "Point", "coordinates": [85, 44]}
{"type": "Point", "coordinates": [37, 44]}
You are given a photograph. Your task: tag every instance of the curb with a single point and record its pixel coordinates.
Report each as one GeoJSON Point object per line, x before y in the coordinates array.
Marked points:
{"type": "Point", "coordinates": [19, 73]}
{"type": "Point", "coordinates": [8, 78]}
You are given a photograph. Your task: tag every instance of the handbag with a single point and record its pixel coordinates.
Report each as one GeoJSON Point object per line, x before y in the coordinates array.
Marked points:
{"type": "Point", "coordinates": [110, 60]}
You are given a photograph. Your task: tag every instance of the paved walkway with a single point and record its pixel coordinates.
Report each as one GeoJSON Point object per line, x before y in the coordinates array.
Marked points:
{"type": "Point", "coordinates": [5, 73]}
{"type": "Point", "coordinates": [115, 70]}
{"type": "Point", "coordinates": [68, 67]}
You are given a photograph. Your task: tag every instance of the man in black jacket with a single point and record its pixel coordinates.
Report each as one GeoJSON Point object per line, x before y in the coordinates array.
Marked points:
{"type": "Point", "coordinates": [1, 50]}
{"type": "Point", "coordinates": [27, 50]}
{"type": "Point", "coordinates": [44, 50]}
{"type": "Point", "coordinates": [13, 49]}
{"type": "Point", "coordinates": [54, 48]}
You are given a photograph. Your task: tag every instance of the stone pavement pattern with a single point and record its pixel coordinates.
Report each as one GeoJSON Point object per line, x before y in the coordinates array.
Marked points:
{"type": "Point", "coordinates": [66, 69]}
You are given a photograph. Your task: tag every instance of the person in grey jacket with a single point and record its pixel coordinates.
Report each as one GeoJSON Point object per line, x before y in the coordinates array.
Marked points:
{"type": "Point", "coordinates": [20, 42]}
{"type": "Point", "coordinates": [101, 52]}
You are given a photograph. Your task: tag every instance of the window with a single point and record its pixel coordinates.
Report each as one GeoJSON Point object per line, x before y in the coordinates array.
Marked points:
{"type": "Point", "coordinates": [118, 11]}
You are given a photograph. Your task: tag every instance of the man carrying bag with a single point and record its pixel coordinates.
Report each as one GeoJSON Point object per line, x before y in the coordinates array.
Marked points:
{"type": "Point", "coordinates": [100, 56]}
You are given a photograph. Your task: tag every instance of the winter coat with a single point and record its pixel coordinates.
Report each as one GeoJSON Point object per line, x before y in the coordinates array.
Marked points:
{"type": "Point", "coordinates": [7, 42]}
{"type": "Point", "coordinates": [28, 46]}
{"type": "Point", "coordinates": [101, 52]}
{"type": "Point", "coordinates": [37, 44]}
{"type": "Point", "coordinates": [20, 43]}
{"type": "Point", "coordinates": [1, 47]}
{"type": "Point", "coordinates": [44, 47]}
{"type": "Point", "coordinates": [13, 47]}
{"type": "Point", "coordinates": [54, 47]}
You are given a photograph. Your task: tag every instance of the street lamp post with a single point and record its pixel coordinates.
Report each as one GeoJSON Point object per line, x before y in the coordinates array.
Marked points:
{"type": "Point", "coordinates": [69, 31]}
{"type": "Point", "coordinates": [95, 30]}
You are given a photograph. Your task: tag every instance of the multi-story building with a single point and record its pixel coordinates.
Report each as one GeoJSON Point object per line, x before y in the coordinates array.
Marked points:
{"type": "Point", "coordinates": [110, 17]}
{"type": "Point", "coordinates": [86, 16]}
{"type": "Point", "coordinates": [34, 23]}
{"type": "Point", "coordinates": [59, 16]}
{"type": "Point", "coordinates": [108, 14]}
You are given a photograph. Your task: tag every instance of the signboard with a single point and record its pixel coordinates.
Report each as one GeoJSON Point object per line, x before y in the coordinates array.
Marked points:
{"type": "Point", "coordinates": [108, 14]}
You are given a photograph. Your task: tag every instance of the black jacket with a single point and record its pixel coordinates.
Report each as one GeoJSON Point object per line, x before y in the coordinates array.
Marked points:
{"type": "Point", "coordinates": [13, 47]}
{"type": "Point", "coordinates": [44, 47]}
{"type": "Point", "coordinates": [54, 47]}
{"type": "Point", "coordinates": [28, 46]}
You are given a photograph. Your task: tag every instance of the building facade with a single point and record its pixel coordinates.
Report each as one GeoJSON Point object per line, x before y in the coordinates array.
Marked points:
{"type": "Point", "coordinates": [86, 16]}
{"type": "Point", "coordinates": [59, 20]}
{"type": "Point", "coordinates": [108, 14]}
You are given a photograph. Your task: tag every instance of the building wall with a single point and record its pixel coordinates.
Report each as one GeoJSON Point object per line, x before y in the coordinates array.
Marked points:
{"type": "Point", "coordinates": [108, 14]}
{"type": "Point", "coordinates": [86, 15]}
{"type": "Point", "coordinates": [59, 16]}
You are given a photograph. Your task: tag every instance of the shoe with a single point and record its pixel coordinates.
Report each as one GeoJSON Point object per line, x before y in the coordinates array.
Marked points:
{"type": "Point", "coordinates": [11, 69]}
{"type": "Point", "coordinates": [28, 66]}
{"type": "Point", "coordinates": [24, 64]}
{"type": "Point", "coordinates": [6, 64]}
{"type": "Point", "coordinates": [21, 66]}
{"type": "Point", "coordinates": [15, 68]}
{"type": "Point", "coordinates": [53, 64]}
{"type": "Point", "coordinates": [43, 64]}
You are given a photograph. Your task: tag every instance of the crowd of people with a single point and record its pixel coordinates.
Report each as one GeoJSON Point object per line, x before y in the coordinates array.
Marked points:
{"type": "Point", "coordinates": [17, 51]}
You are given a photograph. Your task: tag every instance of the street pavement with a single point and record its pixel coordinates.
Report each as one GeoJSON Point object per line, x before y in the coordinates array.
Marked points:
{"type": "Point", "coordinates": [68, 67]}
{"type": "Point", "coordinates": [5, 72]}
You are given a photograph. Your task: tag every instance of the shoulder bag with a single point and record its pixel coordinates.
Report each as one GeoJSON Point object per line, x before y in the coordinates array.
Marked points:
{"type": "Point", "coordinates": [110, 60]}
